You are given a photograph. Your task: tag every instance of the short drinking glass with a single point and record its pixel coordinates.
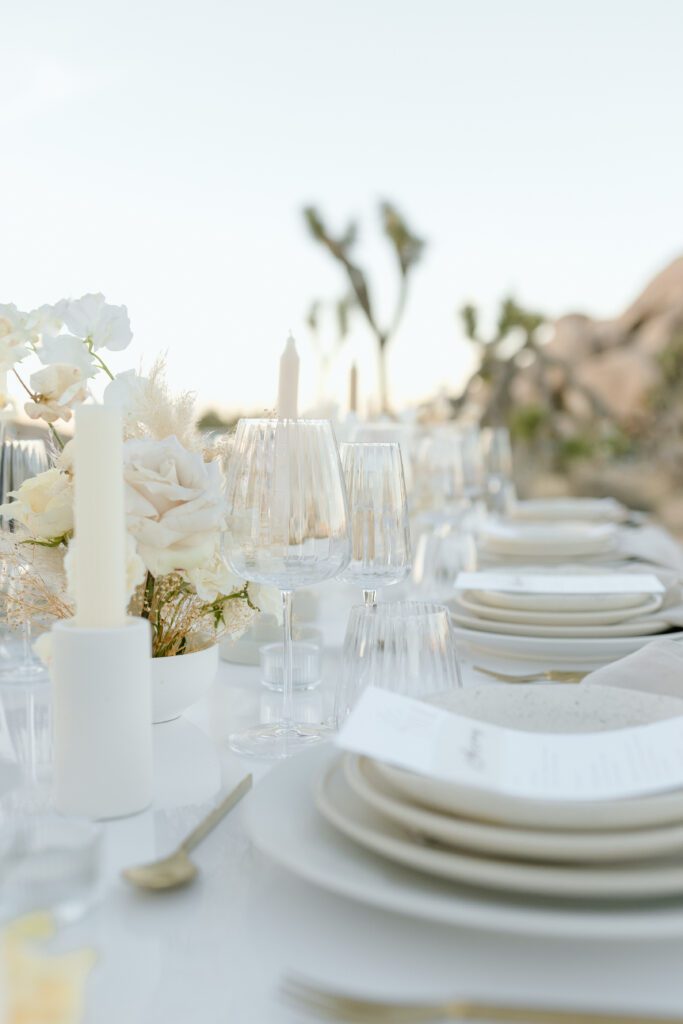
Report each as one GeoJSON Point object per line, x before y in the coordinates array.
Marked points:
{"type": "Point", "coordinates": [407, 647]}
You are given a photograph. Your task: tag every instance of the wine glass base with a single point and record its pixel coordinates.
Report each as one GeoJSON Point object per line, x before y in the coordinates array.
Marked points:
{"type": "Point", "coordinates": [275, 742]}
{"type": "Point", "coordinates": [24, 672]}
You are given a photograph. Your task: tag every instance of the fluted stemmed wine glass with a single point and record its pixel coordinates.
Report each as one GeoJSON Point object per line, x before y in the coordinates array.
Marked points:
{"type": "Point", "coordinates": [288, 526]}
{"type": "Point", "coordinates": [378, 509]}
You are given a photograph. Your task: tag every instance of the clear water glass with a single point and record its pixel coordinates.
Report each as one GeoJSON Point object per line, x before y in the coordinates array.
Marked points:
{"type": "Point", "coordinates": [288, 526]}
{"type": "Point", "coordinates": [19, 664]}
{"type": "Point", "coordinates": [406, 647]}
{"type": "Point", "coordinates": [440, 554]}
{"type": "Point", "coordinates": [47, 862]}
{"type": "Point", "coordinates": [26, 729]}
{"type": "Point", "coordinates": [306, 665]}
{"type": "Point", "coordinates": [378, 510]}
{"type": "Point", "coordinates": [20, 459]}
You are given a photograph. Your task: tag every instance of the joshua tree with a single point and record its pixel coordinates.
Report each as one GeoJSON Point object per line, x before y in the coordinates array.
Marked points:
{"type": "Point", "coordinates": [408, 249]}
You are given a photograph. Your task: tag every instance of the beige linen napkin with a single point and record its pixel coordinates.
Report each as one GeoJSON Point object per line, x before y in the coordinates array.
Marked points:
{"type": "Point", "coordinates": [655, 668]}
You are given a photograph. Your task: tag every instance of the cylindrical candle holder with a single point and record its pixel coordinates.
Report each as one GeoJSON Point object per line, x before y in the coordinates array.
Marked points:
{"type": "Point", "coordinates": [102, 719]}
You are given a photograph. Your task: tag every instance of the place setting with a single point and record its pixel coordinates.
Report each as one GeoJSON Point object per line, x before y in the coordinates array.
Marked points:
{"type": "Point", "coordinates": [572, 614]}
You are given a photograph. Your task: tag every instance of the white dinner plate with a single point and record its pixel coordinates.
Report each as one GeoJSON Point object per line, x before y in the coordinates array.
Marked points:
{"type": "Point", "coordinates": [556, 651]}
{"type": "Point", "coordinates": [283, 823]}
{"type": "Point", "coordinates": [505, 840]}
{"type": "Point", "coordinates": [549, 708]}
{"type": "Point", "coordinates": [633, 627]}
{"type": "Point", "coordinates": [605, 510]}
{"type": "Point", "coordinates": [468, 602]}
{"type": "Point", "coordinates": [557, 602]}
{"type": "Point", "coordinates": [337, 802]}
{"type": "Point", "coordinates": [547, 539]}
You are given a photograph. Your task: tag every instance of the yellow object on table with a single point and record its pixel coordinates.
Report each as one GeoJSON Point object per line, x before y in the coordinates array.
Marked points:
{"type": "Point", "coordinates": [37, 987]}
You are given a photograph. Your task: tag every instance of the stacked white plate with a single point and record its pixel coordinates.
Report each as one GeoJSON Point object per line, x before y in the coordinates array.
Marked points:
{"type": "Point", "coordinates": [596, 510]}
{"type": "Point", "coordinates": [454, 853]}
{"type": "Point", "coordinates": [504, 541]}
{"type": "Point", "coordinates": [583, 627]}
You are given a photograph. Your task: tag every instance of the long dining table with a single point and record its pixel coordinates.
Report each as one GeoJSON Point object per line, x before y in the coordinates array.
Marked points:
{"type": "Point", "coordinates": [216, 951]}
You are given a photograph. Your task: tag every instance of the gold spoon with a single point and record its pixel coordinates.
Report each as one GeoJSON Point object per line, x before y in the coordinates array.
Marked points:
{"type": "Point", "coordinates": [551, 675]}
{"type": "Point", "coordinates": [178, 869]}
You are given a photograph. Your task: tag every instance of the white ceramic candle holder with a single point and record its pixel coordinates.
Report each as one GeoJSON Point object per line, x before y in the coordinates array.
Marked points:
{"type": "Point", "coordinates": [102, 719]}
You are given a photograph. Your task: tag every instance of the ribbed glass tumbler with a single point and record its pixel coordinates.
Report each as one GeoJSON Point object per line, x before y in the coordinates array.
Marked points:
{"type": "Point", "coordinates": [407, 647]}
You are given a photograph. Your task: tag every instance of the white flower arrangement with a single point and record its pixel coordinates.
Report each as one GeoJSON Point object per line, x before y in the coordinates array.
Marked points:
{"type": "Point", "coordinates": [175, 512]}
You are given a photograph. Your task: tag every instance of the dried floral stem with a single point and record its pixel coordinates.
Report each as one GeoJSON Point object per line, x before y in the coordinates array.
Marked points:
{"type": "Point", "coordinates": [55, 437]}
{"type": "Point", "coordinates": [147, 597]}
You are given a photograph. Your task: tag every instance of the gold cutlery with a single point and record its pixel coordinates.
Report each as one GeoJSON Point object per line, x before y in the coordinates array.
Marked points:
{"type": "Point", "coordinates": [551, 675]}
{"type": "Point", "coordinates": [330, 1005]}
{"type": "Point", "coordinates": [177, 869]}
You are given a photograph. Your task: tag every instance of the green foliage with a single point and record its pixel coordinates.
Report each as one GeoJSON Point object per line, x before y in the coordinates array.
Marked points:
{"type": "Point", "coordinates": [671, 362]}
{"type": "Point", "coordinates": [213, 420]}
{"type": "Point", "coordinates": [408, 246]}
{"type": "Point", "coordinates": [526, 421]}
{"type": "Point", "coordinates": [408, 249]}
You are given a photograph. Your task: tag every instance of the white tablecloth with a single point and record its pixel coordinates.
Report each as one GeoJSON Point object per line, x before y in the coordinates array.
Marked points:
{"type": "Point", "coordinates": [215, 952]}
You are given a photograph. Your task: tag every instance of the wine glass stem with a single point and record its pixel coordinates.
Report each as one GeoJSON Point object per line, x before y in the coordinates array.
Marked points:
{"type": "Point", "coordinates": [370, 598]}
{"type": "Point", "coordinates": [287, 662]}
{"type": "Point", "coordinates": [28, 653]}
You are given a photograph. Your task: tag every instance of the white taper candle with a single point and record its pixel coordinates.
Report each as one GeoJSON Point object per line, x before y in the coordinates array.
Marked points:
{"type": "Point", "coordinates": [99, 518]}
{"type": "Point", "coordinates": [288, 390]}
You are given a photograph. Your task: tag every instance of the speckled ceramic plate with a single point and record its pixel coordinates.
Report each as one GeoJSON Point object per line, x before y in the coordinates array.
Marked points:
{"type": "Point", "coordinates": [562, 709]}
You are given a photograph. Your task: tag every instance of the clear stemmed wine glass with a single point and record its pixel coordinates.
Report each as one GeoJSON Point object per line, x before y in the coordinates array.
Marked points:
{"type": "Point", "coordinates": [288, 526]}
{"type": "Point", "coordinates": [380, 527]}
{"type": "Point", "coordinates": [497, 454]}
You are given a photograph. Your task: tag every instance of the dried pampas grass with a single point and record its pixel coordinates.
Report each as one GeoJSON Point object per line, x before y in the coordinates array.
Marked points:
{"type": "Point", "coordinates": [156, 413]}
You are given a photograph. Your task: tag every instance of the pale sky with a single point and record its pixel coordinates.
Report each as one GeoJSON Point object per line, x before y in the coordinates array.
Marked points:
{"type": "Point", "coordinates": [161, 152]}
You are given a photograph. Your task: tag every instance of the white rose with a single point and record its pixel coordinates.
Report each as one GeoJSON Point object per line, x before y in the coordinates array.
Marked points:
{"type": "Point", "coordinates": [174, 504]}
{"type": "Point", "coordinates": [214, 579]}
{"type": "Point", "coordinates": [106, 326]}
{"type": "Point", "coordinates": [57, 388]}
{"type": "Point", "coordinates": [135, 567]}
{"type": "Point", "coordinates": [65, 459]}
{"type": "Point", "coordinates": [43, 504]}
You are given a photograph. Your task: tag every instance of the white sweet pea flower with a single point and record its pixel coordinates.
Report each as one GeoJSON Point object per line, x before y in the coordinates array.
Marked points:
{"type": "Point", "coordinates": [47, 319]}
{"type": "Point", "coordinates": [125, 391]}
{"type": "Point", "coordinates": [135, 567]}
{"type": "Point", "coordinates": [67, 350]}
{"type": "Point", "coordinates": [214, 579]}
{"type": "Point", "coordinates": [95, 320]}
{"type": "Point", "coordinates": [15, 338]}
{"type": "Point", "coordinates": [174, 505]}
{"type": "Point", "coordinates": [56, 389]}
{"type": "Point", "coordinates": [43, 504]}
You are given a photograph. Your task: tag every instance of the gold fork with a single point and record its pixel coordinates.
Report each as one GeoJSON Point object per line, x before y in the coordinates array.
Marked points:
{"type": "Point", "coordinates": [551, 675]}
{"type": "Point", "coordinates": [330, 1005]}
